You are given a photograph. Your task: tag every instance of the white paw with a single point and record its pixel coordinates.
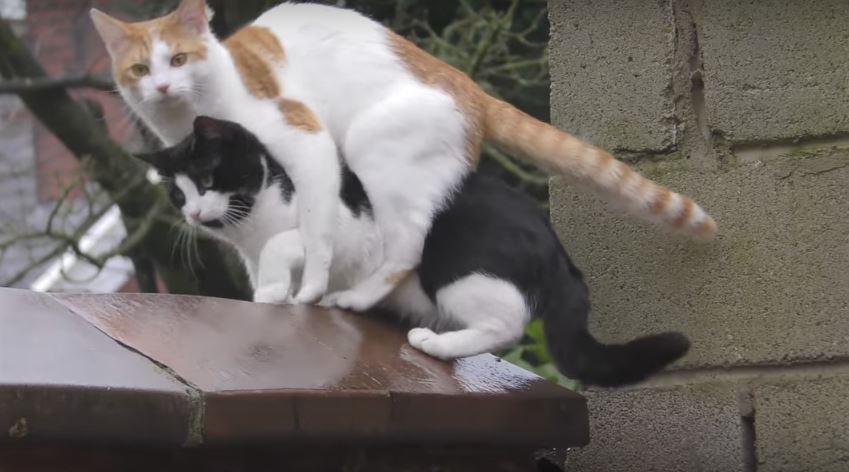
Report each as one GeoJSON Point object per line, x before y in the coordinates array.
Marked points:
{"type": "Point", "coordinates": [328, 301]}
{"type": "Point", "coordinates": [425, 340]}
{"type": "Point", "coordinates": [355, 300]}
{"type": "Point", "coordinates": [275, 294]}
{"type": "Point", "coordinates": [417, 336]}
{"type": "Point", "coordinates": [309, 294]}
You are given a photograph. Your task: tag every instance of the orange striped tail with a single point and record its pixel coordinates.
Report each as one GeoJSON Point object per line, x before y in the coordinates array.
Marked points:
{"type": "Point", "coordinates": [562, 154]}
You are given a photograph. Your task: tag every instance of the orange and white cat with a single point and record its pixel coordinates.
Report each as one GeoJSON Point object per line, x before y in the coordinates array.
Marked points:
{"type": "Point", "coordinates": [315, 83]}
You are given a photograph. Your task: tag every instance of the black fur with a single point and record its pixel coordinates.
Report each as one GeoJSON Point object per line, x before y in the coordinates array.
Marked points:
{"type": "Point", "coordinates": [277, 174]}
{"type": "Point", "coordinates": [492, 229]}
{"type": "Point", "coordinates": [487, 228]}
{"type": "Point", "coordinates": [353, 194]}
{"type": "Point", "coordinates": [234, 158]}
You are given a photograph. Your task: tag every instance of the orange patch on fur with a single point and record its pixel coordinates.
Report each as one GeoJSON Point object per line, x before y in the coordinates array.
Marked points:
{"type": "Point", "coordinates": [706, 229]}
{"type": "Point", "coordinates": [661, 201]}
{"type": "Point", "coordinates": [605, 160]}
{"type": "Point", "coordinates": [183, 41]}
{"type": "Point", "coordinates": [136, 51]}
{"type": "Point", "coordinates": [627, 174]}
{"type": "Point", "coordinates": [399, 277]}
{"type": "Point", "coordinates": [138, 37]}
{"type": "Point", "coordinates": [299, 115]}
{"type": "Point", "coordinates": [467, 94]}
{"type": "Point", "coordinates": [255, 51]}
{"type": "Point", "coordinates": [686, 213]}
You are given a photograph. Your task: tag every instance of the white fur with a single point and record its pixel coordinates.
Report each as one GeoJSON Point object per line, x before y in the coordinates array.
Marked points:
{"type": "Point", "coordinates": [473, 315]}
{"type": "Point", "coordinates": [404, 139]}
{"type": "Point", "coordinates": [209, 206]}
{"type": "Point", "coordinates": [490, 312]}
{"type": "Point", "coordinates": [270, 242]}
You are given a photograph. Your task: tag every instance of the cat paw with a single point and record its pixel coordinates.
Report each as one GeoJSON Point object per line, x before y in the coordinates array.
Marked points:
{"type": "Point", "coordinates": [274, 294]}
{"type": "Point", "coordinates": [309, 294]}
{"type": "Point", "coordinates": [354, 300]}
{"type": "Point", "coordinates": [328, 301]}
{"type": "Point", "coordinates": [425, 340]}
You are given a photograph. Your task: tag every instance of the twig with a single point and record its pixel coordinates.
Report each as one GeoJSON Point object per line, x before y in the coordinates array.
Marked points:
{"type": "Point", "coordinates": [59, 249]}
{"type": "Point", "coordinates": [508, 165]}
{"type": "Point", "coordinates": [486, 44]}
{"type": "Point", "coordinates": [66, 192]}
{"type": "Point", "coordinates": [21, 274]}
{"type": "Point", "coordinates": [16, 86]}
{"type": "Point", "coordinates": [512, 66]}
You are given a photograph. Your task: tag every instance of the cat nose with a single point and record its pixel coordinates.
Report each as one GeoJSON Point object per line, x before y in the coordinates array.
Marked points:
{"type": "Point", "coordinates": [195, 215]}
{"type": "Point", "coordinates": [163, 89]}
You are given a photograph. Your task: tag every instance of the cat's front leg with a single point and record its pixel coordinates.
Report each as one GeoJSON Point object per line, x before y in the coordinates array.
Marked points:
{"type": "Point", "coordinates": [311, 160]}
{"type": "Point", "coordinates": [280, 262]}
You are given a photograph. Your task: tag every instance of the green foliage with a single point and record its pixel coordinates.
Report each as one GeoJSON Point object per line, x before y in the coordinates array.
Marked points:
{"type": "Point", "coordinates": [532, 355]}
{"type": "Point", "coordinates": [502, 45]}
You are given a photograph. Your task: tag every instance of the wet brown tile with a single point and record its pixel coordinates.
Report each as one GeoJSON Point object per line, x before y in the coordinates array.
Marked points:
{"type": "Point", "coordinates": [248, 417]}
{"type": "Point", "coordinates": [303, 372]}
{"type": "Point", "coordinates": [60, 378]}
{"type": "Point", "coordinates": [340, 415]}
{"type": "Point", "coordinates": [224, 345]}
{"type": "Point", "coordinates": [268, 415]}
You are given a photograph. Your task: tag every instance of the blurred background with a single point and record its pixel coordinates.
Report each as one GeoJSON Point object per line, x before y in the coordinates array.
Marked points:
{"type": "Point", "coordinates": [75, 214]}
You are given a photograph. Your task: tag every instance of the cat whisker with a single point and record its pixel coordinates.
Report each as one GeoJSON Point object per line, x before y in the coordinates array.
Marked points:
{"type": "Point", "coordinates": [185, 253]}
{"type": "Point", "coordinates": [175, 226]}
{"type": "Point", "coordinates": [196, 246]}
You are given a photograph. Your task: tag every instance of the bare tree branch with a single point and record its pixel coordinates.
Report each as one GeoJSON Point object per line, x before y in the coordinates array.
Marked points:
{"type": "Point", "coordinates": [121, 176]}
{"type": "Point", "coordinates": [16, 86]}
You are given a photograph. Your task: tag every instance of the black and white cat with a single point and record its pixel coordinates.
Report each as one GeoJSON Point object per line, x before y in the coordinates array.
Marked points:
{"type": "Point", "coordinates": [490, 262]}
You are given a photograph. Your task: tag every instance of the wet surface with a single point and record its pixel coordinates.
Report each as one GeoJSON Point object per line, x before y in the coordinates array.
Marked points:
{"type": "Point", "coordinates": [222, 345]}
{"type": "Point", "coordinates": [59, 376]}
{"type": "Point", "coordinates": [269, 372]}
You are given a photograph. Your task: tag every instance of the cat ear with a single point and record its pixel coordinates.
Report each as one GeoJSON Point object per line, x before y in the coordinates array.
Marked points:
{"type": "Point", "coordinates": [194, 15]}
{"type": "Point", "coordinates": [112, 31]}
{"type": "Point", "coordinates": [207, 128]}
{"type": "Point", "coordinates": [160, 160]}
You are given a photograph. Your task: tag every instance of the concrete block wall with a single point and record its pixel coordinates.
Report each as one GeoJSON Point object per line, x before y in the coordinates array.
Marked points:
{"type": "Point", "coordinates": [743, 105]}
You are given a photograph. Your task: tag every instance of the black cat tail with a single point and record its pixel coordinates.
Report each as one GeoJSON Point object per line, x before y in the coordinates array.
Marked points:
{"type": "Point", "coordinates": [578, 355]}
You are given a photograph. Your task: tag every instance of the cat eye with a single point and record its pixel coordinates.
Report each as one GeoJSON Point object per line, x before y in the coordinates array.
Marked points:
{"type": "Point", "coordinates": [206, 181]}
{"type": "Point", "coordinates": [139, 70]}
{"type": "Point", "coordinates": [177, 197]}
{"type": "Point", "coordinates": [179, 59]}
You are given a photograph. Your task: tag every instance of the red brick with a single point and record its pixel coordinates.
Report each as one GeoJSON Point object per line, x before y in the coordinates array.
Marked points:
{"type": "Point", "coordinates": [61, 36]}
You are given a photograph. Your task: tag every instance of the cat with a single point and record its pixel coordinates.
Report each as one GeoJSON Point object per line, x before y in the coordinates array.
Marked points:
{"type": "Point", "coordinates": [489, 261]}
{"type": "Point", "coordinates": [316, 82]}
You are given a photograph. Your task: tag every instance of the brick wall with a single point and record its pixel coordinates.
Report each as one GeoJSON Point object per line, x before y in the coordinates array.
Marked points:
{"type": "Point", "coordinates": [64, 41]}
{"type": "Point", "coordinates": [34, 166]}
{"type": "Point", "coordinates": [745, 107]}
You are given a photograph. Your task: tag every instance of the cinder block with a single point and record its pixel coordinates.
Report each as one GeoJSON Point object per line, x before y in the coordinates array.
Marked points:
{"type": "Point", "coordinates": [664, 430]}
{"type": "Point", "coordinates": [609, 69]}
{"type": "Point", "coordinates": [801, 425]}
{"type": "Point", "coordinates": [771, 289]}
{"type": "Point", "coordinates": [775, 69]}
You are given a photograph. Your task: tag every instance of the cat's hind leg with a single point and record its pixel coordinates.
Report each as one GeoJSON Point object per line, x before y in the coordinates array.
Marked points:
{"type": "Point", "coordinates": [492, 313]}
{"type": "Point", "coordinates": [281, 260]}
{"type": "Point", "coordinates": [409, 151]}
